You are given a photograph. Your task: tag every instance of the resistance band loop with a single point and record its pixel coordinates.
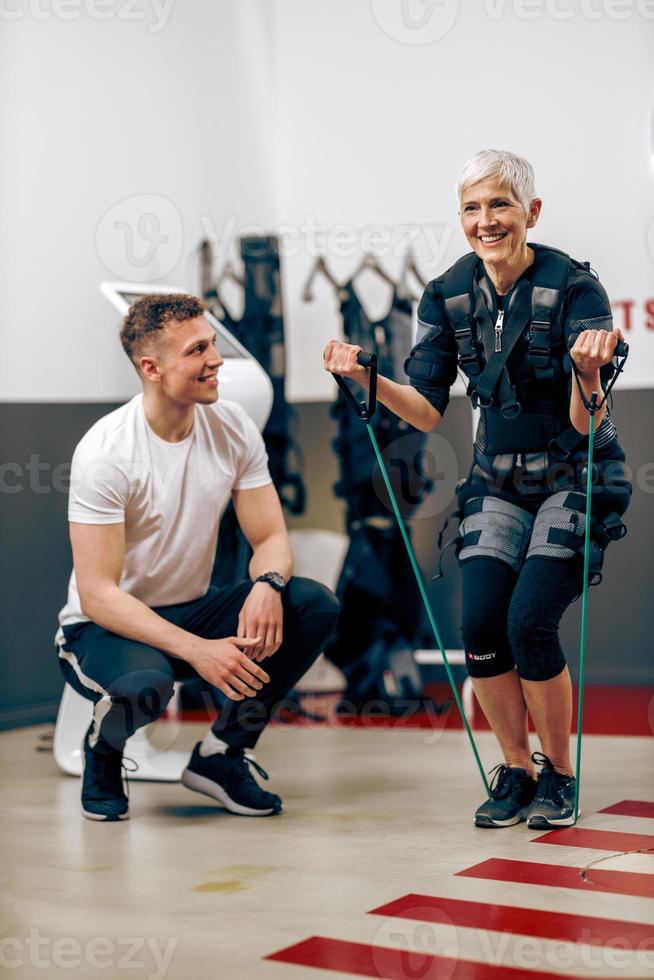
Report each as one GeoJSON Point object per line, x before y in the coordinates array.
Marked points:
{"type": "Point", "coordinates": [592, 408]}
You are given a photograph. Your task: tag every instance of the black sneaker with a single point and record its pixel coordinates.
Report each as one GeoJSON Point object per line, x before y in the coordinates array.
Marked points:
{"type": "Point", "coordinates": [512, 790]}
{"type": "Point", "coordinates": [103, 797]}
{"type": "Point", "coordinates": [554, 803]}
{"type": "Point", "coordinates": [227, 778]}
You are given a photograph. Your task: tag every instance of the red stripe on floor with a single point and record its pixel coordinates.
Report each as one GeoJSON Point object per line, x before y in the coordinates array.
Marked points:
{"type": "Point", "coordinates": [608, 710]}
{"type": "Point", "coordinates": [532, 873]}
{"type": "Point", "coordinates": [526, 922]}
{"type": "Point", "coordinates": [631, 808]}
{"type": "Point", "coordinates": [600, 840]}
{"type": "Point", "coordinates": [395, 964]}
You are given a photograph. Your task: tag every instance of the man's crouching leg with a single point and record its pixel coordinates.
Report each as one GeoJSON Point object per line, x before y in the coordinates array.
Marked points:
{"type": "Point", "coordinates": [221, 766]}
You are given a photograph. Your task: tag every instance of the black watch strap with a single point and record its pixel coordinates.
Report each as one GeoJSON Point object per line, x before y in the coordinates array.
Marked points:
{"type": "Point", "coordinates": [274, 580]}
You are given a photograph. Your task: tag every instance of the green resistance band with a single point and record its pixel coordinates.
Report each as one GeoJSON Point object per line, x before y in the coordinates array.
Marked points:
{"type": "Point", "coordinates": [365, 412]}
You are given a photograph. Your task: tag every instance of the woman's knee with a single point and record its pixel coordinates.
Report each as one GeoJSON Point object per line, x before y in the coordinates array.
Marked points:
{"type": "Point", "coordinates": [534, 642]}
{"type": "Point", "coordinates": [486, 647]}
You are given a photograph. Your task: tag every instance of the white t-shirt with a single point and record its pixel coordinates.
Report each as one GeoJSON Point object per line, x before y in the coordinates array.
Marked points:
{"type": "Point", "coordinates": [170, 495]}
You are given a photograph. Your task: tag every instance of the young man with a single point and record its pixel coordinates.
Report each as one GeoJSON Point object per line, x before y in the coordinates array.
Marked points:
{"type": "Point", "coordinates": [149, 484]}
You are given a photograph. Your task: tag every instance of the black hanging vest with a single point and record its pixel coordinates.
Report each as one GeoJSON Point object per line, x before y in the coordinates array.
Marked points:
{"type": "Point", "coordinates": [525, 408]}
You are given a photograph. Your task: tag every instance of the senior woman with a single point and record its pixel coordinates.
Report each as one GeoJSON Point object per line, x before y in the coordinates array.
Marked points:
{"type": "Point", "coordinates": [511, 315]}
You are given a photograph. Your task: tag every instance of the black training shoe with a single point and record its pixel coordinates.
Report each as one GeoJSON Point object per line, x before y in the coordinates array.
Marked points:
{"type": "Point", "coordinates": [227, 778]}
{"type": "Point", "coordinates": [554, 803]}
{"type": "Point", "coordinates": [512, 790]}
{"type": "Point", "coordinates": [103, 797]}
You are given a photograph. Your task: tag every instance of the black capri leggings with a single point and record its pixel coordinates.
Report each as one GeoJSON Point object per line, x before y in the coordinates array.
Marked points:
{"type": "Point", "coordinates": [513, 618]}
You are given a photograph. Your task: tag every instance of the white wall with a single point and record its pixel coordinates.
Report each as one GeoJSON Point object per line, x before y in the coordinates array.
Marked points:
{"type": "Point", "coordinates": [173, 122]}
{"type": "Point", "coordinates": [373, 130]}
{"type": "Point", "coordinates": [287, 113]}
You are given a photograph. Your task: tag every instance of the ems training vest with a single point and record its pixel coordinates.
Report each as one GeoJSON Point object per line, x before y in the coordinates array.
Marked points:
{"type": "Point", "coordinates": [515, 358]}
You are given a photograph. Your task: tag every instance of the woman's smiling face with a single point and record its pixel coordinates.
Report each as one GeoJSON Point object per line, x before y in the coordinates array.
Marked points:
{"type": "Point", "coordinates": [495, 222]}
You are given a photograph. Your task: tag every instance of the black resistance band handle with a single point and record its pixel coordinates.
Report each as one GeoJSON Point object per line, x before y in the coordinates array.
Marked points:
{"type": "Point", "coordinates": [363, 410]}
{"type": "Point", "coordinates": [621, 349]}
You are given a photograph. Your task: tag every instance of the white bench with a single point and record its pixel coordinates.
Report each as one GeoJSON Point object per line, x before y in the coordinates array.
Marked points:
{"type": "Point", "coordinates": [454, 658]}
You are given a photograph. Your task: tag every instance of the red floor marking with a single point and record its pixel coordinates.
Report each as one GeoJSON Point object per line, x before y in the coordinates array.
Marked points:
{"type": "Point", "coordinates": [631, 808]}
{"type": "Point", "coordinates": [608, 710]}
{"type": "Point", "coordinates": [526, 922]}
{"type": "Point", "coordinates": [532, 873]}
{"type": "Point", "coordinates": [395, 964]}
{"type": "Point", "coordinates": [601, 840]}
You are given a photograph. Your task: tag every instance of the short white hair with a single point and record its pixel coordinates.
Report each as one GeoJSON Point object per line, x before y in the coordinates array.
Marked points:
{"type": "Point", "coordinates": [513, 171]}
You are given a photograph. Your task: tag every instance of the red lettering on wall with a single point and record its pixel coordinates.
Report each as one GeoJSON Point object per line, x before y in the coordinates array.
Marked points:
{"type": "Point", "coordinates": [626, 306]}
{"type": "Point", "coordinates": [649, 314]}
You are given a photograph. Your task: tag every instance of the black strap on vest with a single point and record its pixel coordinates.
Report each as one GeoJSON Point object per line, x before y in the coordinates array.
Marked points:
{"type": "Point", "coordinates": [548, 278]}
{"type": "Point", "coordinates": [551, 272]}
{"type": "Point", "coordinates": [458, 299]}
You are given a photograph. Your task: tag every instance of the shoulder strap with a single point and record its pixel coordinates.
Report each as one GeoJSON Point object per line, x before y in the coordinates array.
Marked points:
{"type": "Point", "coordinates": [549, 276]}
{"type": "Point", "coordinates": [457, 296]}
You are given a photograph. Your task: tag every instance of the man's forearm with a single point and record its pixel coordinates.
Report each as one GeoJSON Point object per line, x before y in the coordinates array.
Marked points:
{"type": "Point", "coordinates": [579, 415]}
{"type": "Point", "coordinates": [272, 555]}
{"type": "Point", "coordinates": [121, 613]}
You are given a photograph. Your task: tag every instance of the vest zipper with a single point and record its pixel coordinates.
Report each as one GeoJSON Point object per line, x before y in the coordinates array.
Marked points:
{"type": "Point", "coordinates": [498, 330]}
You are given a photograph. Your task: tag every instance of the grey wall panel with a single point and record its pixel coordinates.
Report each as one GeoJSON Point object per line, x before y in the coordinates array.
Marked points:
{"type": "Point", "coordinates": [36, 444]}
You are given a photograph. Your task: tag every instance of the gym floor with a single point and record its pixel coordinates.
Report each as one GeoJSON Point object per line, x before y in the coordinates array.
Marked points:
{"type": "Point", "coordinates": [373, 869]}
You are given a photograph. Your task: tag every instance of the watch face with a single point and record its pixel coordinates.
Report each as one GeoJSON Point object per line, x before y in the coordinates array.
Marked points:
{"type": "Point", "coordinates": [275, 579]}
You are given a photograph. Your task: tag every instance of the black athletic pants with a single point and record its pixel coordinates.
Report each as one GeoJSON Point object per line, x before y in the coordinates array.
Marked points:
{"type": "Point", "coordinates": [130, 683]}
{"type": "Point", "coordinates": [513, 618]}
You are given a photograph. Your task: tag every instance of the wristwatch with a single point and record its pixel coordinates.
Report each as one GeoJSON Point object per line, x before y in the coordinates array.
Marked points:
{"type": "Point", "coordinates": [274, 580]}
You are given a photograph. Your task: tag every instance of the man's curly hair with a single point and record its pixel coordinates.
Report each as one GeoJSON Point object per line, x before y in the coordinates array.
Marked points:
{"type": "Point", "coordinates": [142, 327]}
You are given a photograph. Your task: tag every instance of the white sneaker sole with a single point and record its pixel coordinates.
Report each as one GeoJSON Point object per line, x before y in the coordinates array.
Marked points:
{"type": "Point", "coordinates": [490, 823]}
{"type": "Point", "coordinates": [538, 821]}
{"type": "Point", "coordinates": [103, 817]}
{"type": "Point", "coordinates": [200, 784]}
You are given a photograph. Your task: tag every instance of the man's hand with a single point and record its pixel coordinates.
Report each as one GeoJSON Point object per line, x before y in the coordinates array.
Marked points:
{"type": "Point", "coordinates": [224, 664]}
{"type": "Point", "coordinates": [594, 348]}
{"type": "Point", "coordinates": [262, 616]}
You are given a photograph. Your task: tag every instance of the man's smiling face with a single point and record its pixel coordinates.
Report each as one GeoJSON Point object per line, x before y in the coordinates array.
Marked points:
{"type": "Point", "coordinates": [188, 362]}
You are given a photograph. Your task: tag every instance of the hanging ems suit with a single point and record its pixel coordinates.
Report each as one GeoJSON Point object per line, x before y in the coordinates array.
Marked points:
{"type": "Point", "coordinates": [514, 353]}
{"type": "Point", "coordinates": [378, 628]}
